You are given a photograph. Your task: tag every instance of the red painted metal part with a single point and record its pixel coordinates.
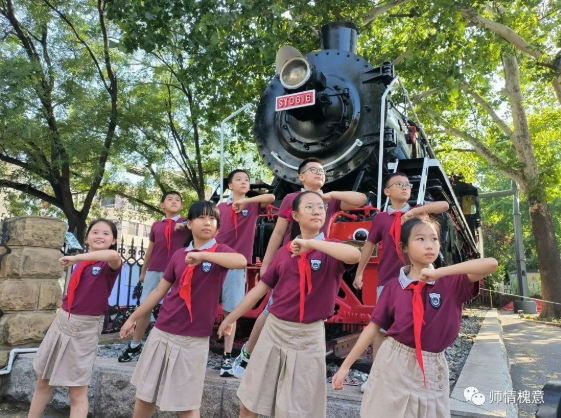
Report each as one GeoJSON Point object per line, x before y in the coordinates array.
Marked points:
{"type": "Point", "coordinates": [350, 311]}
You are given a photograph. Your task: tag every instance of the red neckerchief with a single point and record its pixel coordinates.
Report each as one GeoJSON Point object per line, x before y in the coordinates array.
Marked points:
{"type": "Point", "coordinates": [187, 278]}
{"type": "Point", "coordinates": [395, 232]}
{"type": "Point", "coordinates": [234, 217]}
{"type": "Point", "coordinates": [75, 281]}
{"type": "Point", "coordinates": [418, 321]}
{"type": "Point", "coordinates": [305, 272]}
{"type": "Point", "coordinates": [167, 233]}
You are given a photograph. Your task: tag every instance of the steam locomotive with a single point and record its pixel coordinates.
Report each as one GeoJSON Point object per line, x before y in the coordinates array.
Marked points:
{"type": "Point", "coordinates": [358, 120]}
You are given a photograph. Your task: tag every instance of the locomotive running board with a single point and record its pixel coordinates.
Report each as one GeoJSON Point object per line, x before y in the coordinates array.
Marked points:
{"type": "Point", "coordinates": [342, 346]}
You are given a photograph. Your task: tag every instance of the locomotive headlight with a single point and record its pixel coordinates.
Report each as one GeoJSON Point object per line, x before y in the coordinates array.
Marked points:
{"type": "Point", "coordinates": [293, 69]}
{"type": "Point", "coordinates": [295, 73]}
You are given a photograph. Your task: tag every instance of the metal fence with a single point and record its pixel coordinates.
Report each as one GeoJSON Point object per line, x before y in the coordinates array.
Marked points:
{"type": "Point", "coordinates": [125, 295]}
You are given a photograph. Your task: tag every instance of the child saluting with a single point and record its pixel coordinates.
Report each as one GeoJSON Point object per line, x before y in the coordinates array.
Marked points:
{"type": "Point", "coordinates": [421, 311]}
{"type": "Point", "coordinates": [67, 354]}
{"type": "Point", "coordinates": [286, 376]}
{"type": "Point", "coordinates": [171, 370]}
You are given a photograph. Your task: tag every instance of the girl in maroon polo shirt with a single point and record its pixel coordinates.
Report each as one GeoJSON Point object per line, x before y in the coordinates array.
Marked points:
{"type": "Point", "coordinates": [68, 351]}
{"type": "Point", "coordinates": [171, 370]}
{"type": "Point", "coordinates": [286, 374]}
{"type": "Point", "coordinates": [421, 312]}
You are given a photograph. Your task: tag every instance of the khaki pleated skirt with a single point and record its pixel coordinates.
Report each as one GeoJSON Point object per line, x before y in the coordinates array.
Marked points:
{"type": "Point", "coordinates": [286, 375]}
{"type": "Point", "coordinates": [395, 386]}
{"type": "Point", "coordinates": [67, 354]}
{"type": "Point", "coordinates": [171, 371]}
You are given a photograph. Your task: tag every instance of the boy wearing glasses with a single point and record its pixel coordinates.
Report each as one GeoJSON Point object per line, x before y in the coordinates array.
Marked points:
{"type": "Point", "coordinates": [386, 228]}
{"type": "Point", "coordinates": [312, 177]}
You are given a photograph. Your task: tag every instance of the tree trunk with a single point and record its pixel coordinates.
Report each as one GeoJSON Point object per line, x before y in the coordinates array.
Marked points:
{"type": "Point", "coordinates": [549, 260]}
{"type": "Point", "coordinates": [77, 226]}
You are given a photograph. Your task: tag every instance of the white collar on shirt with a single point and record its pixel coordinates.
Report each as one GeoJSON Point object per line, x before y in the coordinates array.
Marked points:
{"type": "Point", "coordinates": [403, 209]}
{"type": "Point", "coordinates": [320, 237]}
{"type": "Point", "coordinates": [405, 281]}
{"type": "Point", "coordinates": [302, 190]}
{"type": "Point", "coordinates": [175, 218]}
{"type": "Point", "coordinates": [204, 247]}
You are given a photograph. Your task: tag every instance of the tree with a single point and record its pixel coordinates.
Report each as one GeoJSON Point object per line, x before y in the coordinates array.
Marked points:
{"type": "Point", "coordinates": [202, 56]}
{"type": "Point", "coordinates": [450, 54]}
{"type": "Point", "coordinates": [59, 101]}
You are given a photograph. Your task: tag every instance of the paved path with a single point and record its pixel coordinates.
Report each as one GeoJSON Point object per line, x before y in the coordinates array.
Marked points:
{"type": "Point", "coordinates": [534, 351]}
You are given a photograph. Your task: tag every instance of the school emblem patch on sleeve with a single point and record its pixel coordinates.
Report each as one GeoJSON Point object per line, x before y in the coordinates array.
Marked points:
{"type": "Point", "coordinates": [245, 212]}
{"type": "Point", "coordinates": [206, 266]}
{"type": "Point", "coordinates": [95, 271]}
{"type": "Point", "coordinates": [315, 264]}
{"type": "Point", "coordinates": [435, 300]}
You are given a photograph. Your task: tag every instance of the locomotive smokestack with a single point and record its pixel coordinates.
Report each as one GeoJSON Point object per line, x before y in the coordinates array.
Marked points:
{"type": "Point", "coordinates": [339, 35]}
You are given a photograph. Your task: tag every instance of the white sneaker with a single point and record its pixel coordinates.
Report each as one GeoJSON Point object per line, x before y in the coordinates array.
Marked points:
{"type": "Point", "coordinates": [363, 386]}
{"type": "Point", "coordinates": [240, 363]}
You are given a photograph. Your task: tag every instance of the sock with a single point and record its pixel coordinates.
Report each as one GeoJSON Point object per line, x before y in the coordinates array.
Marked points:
{"type": "Point", "coordinates": [134, 345]}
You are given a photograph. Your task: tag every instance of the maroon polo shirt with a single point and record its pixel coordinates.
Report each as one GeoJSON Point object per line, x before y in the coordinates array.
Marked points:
{"type": "Point", "coordinates": [206, 287]}
{"type": "Point", "coordinates": [283, 276]}
{"type": "Point", "coordinates": [247, 222]}
{"type": "Point", "coordinates": [380, 232]}
{"type": "Point", "coordinates": [285, 212]}
{"type": "Point", "coordinates": [92, 294]}
{"type": "Point", "coordinates": [160, 256]}
{"type": "Point", "coordinates": [443, 304]}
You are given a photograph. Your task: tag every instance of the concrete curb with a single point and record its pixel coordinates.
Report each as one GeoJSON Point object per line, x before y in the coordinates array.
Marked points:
{"type": "Point", "coordinates": [487, 369]}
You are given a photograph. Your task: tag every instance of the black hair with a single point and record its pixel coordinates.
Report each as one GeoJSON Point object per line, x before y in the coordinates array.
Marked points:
{"type": "Point", "coordinates": [295, 228]}
{"type": "Point", "coordinates": [306, 162]}
{"type": "Point", "coordinates": [204, 208]}
{"type": "Point", "coordinates": [234, 172]}
{"type": "Point", "coordinates": [111, 225]}
{"type": "Point", "coordinates": [408, 227]}
{"type": "Point", "coordinates": [166, 194]}
{"type": "Point", "coordinates": [391, 176]}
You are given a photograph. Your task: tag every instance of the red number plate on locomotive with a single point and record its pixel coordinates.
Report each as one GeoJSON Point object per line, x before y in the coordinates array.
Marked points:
{"type": "Point", "coordinates": [292, 101]}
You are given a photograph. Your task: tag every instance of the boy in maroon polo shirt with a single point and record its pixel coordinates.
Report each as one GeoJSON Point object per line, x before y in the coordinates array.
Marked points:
{"type": "Point", "coordinates": [421, 312]}
{"type": "Point", "coordinates": [166, 237]}
{"type": "Point", "coordinates": [398, 189]}
{"type": "Point", "coordinates": [237, 230]}
{"type": "Point", "coordinates": [312, 177]}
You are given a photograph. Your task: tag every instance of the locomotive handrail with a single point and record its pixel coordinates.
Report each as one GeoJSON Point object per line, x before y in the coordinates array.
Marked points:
{"type": "Point", "coordinates": [357, 143]}
{"type": "Point", "coordinates": [276, 157]}
{"type": "Point", "coordinates": [381, 140]}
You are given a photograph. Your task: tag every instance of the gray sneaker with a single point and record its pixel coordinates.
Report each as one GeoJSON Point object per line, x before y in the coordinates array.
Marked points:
{"type": "Point", "coordinates": [240, 363]}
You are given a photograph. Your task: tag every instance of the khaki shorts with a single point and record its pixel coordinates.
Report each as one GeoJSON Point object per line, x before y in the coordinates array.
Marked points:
{"type": "Point", "coordinates": [171, 371]}
{"type": "Point", "coordinates": [286, 375]}
{"type": "Point", "coordinates": [151, 281]}
{"type": "Point", "coordinates": [67, 354]}
{"type": "Point", "coordinates": [233, 289]}
{"type": "Point", "coordinates": [395, 386]}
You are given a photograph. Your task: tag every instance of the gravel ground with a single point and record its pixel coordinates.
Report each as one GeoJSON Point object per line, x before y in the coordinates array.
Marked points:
{"type": "Point", "coordinates": [456, 355]}
{"type": "Point", "coordinates": [115, 350]}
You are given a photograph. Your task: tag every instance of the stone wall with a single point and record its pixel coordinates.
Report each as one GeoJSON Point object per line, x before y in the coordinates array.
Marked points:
{"type": "Point", "coordinates": [29, 288]}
